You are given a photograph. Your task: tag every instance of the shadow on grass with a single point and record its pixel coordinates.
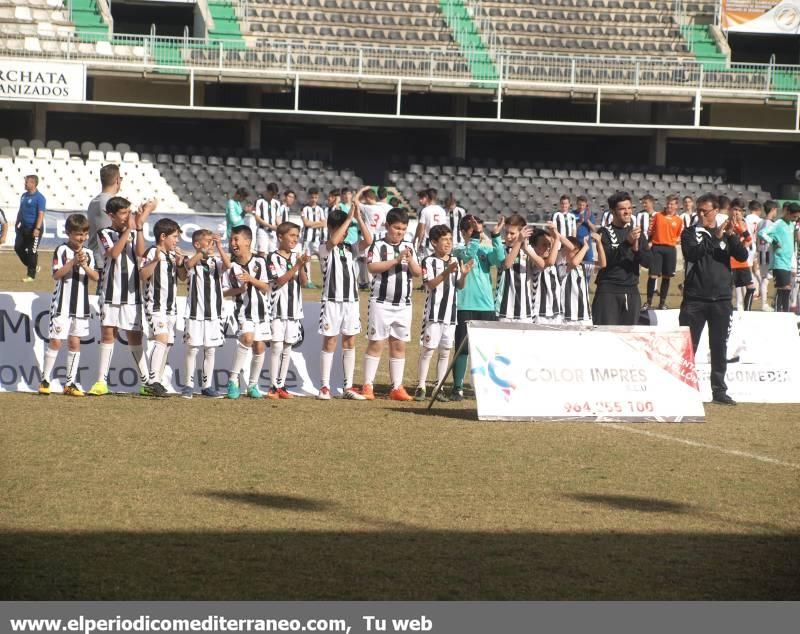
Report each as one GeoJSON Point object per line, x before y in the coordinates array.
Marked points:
{"type": "Point", "coordinates": [401, 565]}
{"type": "Point", "coordinates": [284, 502]}
{"type": "Point", "coordinates": [439, 410]}
{"type": "Point", "coordinates": [632, 503]}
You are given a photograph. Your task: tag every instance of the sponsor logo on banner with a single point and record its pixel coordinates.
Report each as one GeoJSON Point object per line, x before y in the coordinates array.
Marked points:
{"type": "Point", "coordinates": [763, 356]}
{"type": "Point", "coordinates": [25, 80]}
{"type": "Point", "coordinates": [24, 324]}
{"type": "Point", "coordinates": [761, 16]}
{"type": "Point", "coordinates": [526, 372]}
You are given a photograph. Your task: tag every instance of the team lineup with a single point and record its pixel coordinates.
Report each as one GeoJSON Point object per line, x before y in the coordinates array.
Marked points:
{"type": "Point", "coordinates": [362, 243]}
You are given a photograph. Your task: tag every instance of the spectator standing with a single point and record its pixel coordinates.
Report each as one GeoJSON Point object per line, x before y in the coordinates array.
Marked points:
{"type": "Point", "coordinates": [30, 221]}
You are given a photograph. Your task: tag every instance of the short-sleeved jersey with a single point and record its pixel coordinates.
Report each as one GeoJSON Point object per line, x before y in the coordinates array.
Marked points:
{"type": "Point", "coordinates": [161, 288]}
{"type": "Point", "coordinates": [30, 204]}
{"type": "Point", "coordinates": [643, 222]}
{"type": "Point", "coordinates": [454, 217]}
{"type": "Point", "coordinates": [339, 273]}
{"type": "Point", "coordinates": [761, 244]}
{"type": "Point", "coordinates": [287, 300]}
{"type": "Point", "coordinates": [252, 305]}
{"type": "Point", "coordinates": [431, 216]}
{"type": "Point", "coordinates": [665, 230]}
{"type": "Point", "coordinates": [283, 214]}
{"type": "Point", "coordinates": [741, 230]}
{"type": "Point", "coordinates": [513, 293]}
{"type": "Point", "coordinates": [375, 217]}
{"type": "Point", "coordinates": [204, 296]}
{"type": "Point", "coordinates": [688, 219]}
{"type": "Point", "coordinates": [565, 223]}
{"type": "Point", "coordinates": [393, 286]}
{"type": "Point", "coordinates": [268, 210]}
{"type": "Point", "coordinates": [575, 296]}
{"type": "Point", "coordinates": [120, 280]}
{"type": "Point", "coordinates": [71, 293]}
{"type": "Point", "coordinates": [545, 292]}
{"type": "Point", "coordinates": [440, 302]}
{"type": "Point", "coordinates": [314, 235]}
{"type": "Point", "coordinates": [608, 216]}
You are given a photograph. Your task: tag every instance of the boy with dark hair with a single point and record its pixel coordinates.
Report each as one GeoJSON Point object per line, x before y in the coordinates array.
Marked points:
{"type": "Point", "coordinates": [781, 236]}
{"type": "Point", "coordinates": [513, 300]}
{"type": "Point", "coordinates": [246, 281]}
{"type": "Point", "coordinates": [238, 211]}
{"type": "Point", "coordinates": [442, 275]}
{"type": "Point", "coordinates": [161, 267]}
{"type": "Point", "coordinates": [545, 281]}
{"type": "Point", "coordinates": [339, 312]}
{"type": "Point", "coordinates": [563, 218]}
{"type": "Point", "coordinates": [723, 211]}
{"type": "Point", "coordinates": [617, 301]}
{"type": "Point", "coordinates": [429, 216]}
{"type": "Point", "coordinates": [392, 264]}
{"type": "Point", "coordinates": [286, 270]}
{"type": "Point", "coordinates": [73, 267]}
{"type": "Point", "coordinates": [203, 326]}
{"type": "Point", "coordinates": [664, 236]}
{"type": "Point", "coordinates": [120, 292]}
{"type": "Point", "coordinates": [644, 217]}
{"type": "Point", "coordinates": [110, 182]}
{"type": "Point", "coordinates": [575, 288]}
{"type": "Point", "coordinates": [476, 300]}
{"type": "Point", "coordinates": [688, 215]}
{"type": "Point", "coordinates": [454, 216]}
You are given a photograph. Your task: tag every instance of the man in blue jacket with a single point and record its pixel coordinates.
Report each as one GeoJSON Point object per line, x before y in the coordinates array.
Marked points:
{"type": "Point", "coordinates": [29, 225]}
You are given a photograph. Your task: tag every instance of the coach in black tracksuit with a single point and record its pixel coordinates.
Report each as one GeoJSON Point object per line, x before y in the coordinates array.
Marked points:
{"type": "Point", "coordinates": [617, 301]}
{"type": "Point", "coordinates": [707, 250]}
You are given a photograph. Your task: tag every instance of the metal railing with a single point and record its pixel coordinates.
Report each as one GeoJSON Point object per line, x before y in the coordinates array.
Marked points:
{"type": "Point", "coordinates": [354, 62]}
{"type": "Point", "coordinates": [484, 23]}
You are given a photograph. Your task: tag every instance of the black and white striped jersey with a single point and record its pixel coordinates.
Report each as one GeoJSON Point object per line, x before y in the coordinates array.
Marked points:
{"type": "Point", "coordinates": [689, 219]}
{"type": "Point", "coordinates": [440, 302]}
{"type": "Point", "coordinates": [575, 296]}
{"type": "Point", "coordinates": [513, 293]}
{"type": "Point", "coordinates": [393, 286]}
{"type": "Point", "coordinates": [204, 282]}
{"type": "Point", "coordinates": [161, 288]}
{"type": "Point", "coordinates": [566, 223]}
{"type": "Point", "coordinates": [314, 214]}
{"type": "Point", "coordinates": [287, 301]}
{"type": "Point", "coordinates": [252, 305]}
{"type": "Point", "coordinates": [643, 222]}
{"type": "Point", "coordinates": [608, 216]}
{"type": "Point", "coordinates": [339, 273]}
{"type": "Point", "coordinates": [454, 217]}
{"type": "Point", "coordinates": [71, 294]}
{"type": "Point", "coordinates": [545, 292]}
{"type": "Point", "coordinates": [120, 280]}
{"type": "Point", "coordinates": [283, 214]}
{"type": "Point", "coordinates": [268, 210]}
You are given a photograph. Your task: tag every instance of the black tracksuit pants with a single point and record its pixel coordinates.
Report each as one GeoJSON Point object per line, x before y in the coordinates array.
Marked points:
{"type": "Point", "coordinates": [24, 247]}
{"type": "Point", "coordinates": [718, 314]}
{"type": "Point", "coordinates": [613, 308]}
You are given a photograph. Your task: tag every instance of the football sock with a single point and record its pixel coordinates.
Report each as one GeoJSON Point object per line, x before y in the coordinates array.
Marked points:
{"type": "Point", "coordinates": [325, 364]}
{"type": "Point", "coordinates": [50, 356]}
{"type": "Point", "coordinates": [425, 356]}
{"type": "Point", "coordinates": [370, 368]}
{"type": "Point", "coordinates": [349, 366]}
{"type": "Point", "coordinates": [396, 369]}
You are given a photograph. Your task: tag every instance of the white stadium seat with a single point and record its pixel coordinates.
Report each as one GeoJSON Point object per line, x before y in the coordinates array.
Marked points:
{"type": "Point", "coordinates": [113, 156]}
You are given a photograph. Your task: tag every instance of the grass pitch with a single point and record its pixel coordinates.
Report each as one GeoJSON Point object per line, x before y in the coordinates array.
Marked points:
{"type": "Point", "coordinates": [132, 498]}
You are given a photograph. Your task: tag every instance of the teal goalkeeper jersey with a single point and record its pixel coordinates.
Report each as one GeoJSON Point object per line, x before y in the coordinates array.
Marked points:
{"type": "Point", "coordinates": [478, 293]}
{"type": "Point", "coordinates": [780, 234]}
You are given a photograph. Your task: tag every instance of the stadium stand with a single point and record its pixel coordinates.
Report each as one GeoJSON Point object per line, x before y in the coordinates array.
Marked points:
{"type": "Point", "coordinates": [201, 179]}
{"type": "Point", "coordinates": [535, 188]}
{"type": "Point", "coordinates": [32, 19]}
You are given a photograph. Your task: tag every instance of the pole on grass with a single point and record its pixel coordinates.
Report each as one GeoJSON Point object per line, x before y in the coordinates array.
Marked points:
{"type": "Point", "coordinates": [439, 386]}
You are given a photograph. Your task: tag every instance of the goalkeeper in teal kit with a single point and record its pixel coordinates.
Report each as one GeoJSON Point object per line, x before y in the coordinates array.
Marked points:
{"type": "Point", "coordinates": [476, 300]}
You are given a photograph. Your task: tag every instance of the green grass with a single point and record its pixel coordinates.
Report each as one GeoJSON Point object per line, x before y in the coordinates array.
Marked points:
{"type": "Point", "coordinates": [136, 498]}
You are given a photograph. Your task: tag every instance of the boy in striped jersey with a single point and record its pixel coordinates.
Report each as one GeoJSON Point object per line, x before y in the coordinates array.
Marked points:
{"type": "Point", "coordinates": [203, 325]}
{"type": "Point", "coordinates": [513, 298]}
{"type": "Point", "coordinates": [246, 281]}
{"type": "Point", "coordinates": [545, 283]}
{"type": "Point", "coordinates": [314, 223]}
{"type": "Point", "coordinates": [392, 264]}
{"type": "Point", "coordinates": [120, 293]}
{"type": "Point", "coordinates": [575, 287]}
{"type": "Point", "coordinates": [286, 270]}
{"type": "Point", "coordinates": [454, 216]}
{"type": "Point", "coordinates": [161, 267]}
{"type": "Point", "coordinates": [442, 274]}
{"type": "Point", "coordinates": [73, 266]}
{"type": "Point", "coordinates": [266, 217]}
{"type": "Point", "coordinates": [339, 314]}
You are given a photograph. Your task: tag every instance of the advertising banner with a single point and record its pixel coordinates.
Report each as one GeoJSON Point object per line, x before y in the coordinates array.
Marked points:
{"type": "Point", "coordinates": [761, 16]}
{"type": "Point", "coordinates": [24, 322]}
{"type": "Point", "coordinates": [25, 80]}
{"type": "Point", "coordinates": [763, 356]}
{"type": "Point", "coordinates": [528, 372]}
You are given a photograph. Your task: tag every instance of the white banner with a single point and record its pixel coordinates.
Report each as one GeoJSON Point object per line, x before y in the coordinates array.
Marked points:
{"type": "Point", "coordinates": [763, 356]}
{"type": "Point", "coordinates": [24, 321]}
{"type": "Point", "coordinates": [637, 373]}
{"type": "Point", "coordinates": [24, 80]}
